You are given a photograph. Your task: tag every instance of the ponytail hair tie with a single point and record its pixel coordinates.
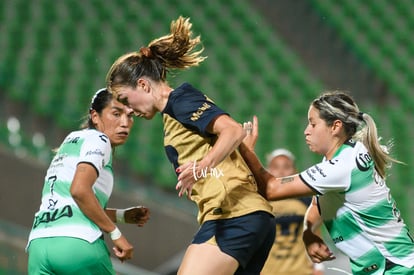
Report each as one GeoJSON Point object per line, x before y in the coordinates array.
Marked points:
{"type": "Point", "coordinates": [361, 116]}
{"type": "Point", "coordinates": [145, 51]}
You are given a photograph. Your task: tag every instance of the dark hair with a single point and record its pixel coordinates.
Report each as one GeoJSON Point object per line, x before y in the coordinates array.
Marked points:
{"type": "Point", "coordinates": [99, 101]}
{"type": "Point", "coordinates": [176, 50]}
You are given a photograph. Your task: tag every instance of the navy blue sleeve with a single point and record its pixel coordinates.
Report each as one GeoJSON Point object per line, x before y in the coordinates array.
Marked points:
{"type": "Point", "coordinates": [193, 109]}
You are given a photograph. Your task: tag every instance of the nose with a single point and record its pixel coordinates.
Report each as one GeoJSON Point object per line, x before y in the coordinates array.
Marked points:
{"type": "Point", "coordinates": [125, 120]}
{"type": "Point", "coordinates": [306, 131]}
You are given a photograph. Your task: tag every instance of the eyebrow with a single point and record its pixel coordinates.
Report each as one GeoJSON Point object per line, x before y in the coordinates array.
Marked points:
{"type": "Point", "coordinates": [122, 100]}
{"type": "Point", "coordinates": [118, 108]}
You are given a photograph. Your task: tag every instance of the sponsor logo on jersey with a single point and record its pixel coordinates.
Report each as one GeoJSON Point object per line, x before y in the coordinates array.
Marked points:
{"type": "Point", "coordinates": [310, 173]}
{"type": "Point", "coordinates": [56, 214]}
{"type": "Point", "coordinates": [314, 171]}
{"type": "Point", "coordinates": [338, 239]}
{"type": "Point", "coordinates": [95, 152]}
{"type": "Point", "coordinates": [72, 140]}
{"type": "Point", "coordinates": [333, 162]}
{"type": "Point", "coordinates": [363, 161]}
{"type": "Point", "coordinates": [200, 111]}
{"type": "Point", "coordinates": [320, 171]}
{"type": "Point", "coordinates": [371, 268]}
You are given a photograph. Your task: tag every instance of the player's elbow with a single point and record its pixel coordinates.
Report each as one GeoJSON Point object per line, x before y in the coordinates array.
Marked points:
{"type": "Point", "coordinates": [239, 134]}
{"type": "Point", "coordinates": [77, 193]}
{"type": "Point", "coordinates": [272, 190]}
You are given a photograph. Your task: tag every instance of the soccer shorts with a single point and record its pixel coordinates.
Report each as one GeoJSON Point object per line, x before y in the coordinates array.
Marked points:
{"type": "Point", "coordinates": [67, 255]}
{"type": "Point", "coordinates": [248, 239]}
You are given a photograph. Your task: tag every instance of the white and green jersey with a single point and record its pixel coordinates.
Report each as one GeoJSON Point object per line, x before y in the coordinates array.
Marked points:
{"type": "Point", "coordinates": [59, 215]}
{"type": "Point", "coordinates": [359, 212]}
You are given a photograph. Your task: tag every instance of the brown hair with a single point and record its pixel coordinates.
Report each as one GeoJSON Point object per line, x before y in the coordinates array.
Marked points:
{"type": "Point", "coordinates": [176, 50]}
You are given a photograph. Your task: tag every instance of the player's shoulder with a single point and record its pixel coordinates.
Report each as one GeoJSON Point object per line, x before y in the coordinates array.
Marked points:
{"type": "Point", "coordinates": [92, 133]}
{"type": "Point", "coordinates": [89, 136]}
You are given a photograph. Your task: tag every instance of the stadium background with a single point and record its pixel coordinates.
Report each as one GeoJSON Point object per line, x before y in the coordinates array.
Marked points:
{"type": "Point", "coordinates": [265, 57]}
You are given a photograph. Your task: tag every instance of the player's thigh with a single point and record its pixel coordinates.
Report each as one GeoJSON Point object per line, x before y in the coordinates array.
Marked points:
{"type": "Point", "coordinates": [207, 259]}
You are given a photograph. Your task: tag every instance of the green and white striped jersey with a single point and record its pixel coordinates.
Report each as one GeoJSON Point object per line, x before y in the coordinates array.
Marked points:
{"type": "Point", "coordinates": [359, 212]}
{"type": "Point", "coordinates": [59, 215]}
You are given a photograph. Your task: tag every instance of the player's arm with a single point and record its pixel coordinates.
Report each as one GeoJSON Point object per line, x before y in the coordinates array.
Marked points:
{"type": "Point", "coordinates": [111, 213]}
{"type": "Point", "coordinates": [82, 192]}
{"type": "Point", "coordinates": [138, 215]}
{"type": "Point", "coordinates": [316, 248]}
{"type": "Point", "coordinates": [313, 219]}
{"type": "Point", "coordinates": [229, 136]}
{"type": "Point", "coordinates": [287, 187]}
{"type": "Point", "coordinates": [270, 187]}
{"type": "Point", "coordinates": [262, 176]}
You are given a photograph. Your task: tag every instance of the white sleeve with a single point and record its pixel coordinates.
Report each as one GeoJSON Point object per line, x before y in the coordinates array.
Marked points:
{"type": "Point", "coordinates": [96, 150]}
{"type": "Point", "coordinates": [328, 175]}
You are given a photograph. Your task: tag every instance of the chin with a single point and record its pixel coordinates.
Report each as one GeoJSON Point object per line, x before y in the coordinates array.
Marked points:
{"type": "Point", "coordinates": [117, 143]}
{"type": "Point", "coordinates": [312, 149]}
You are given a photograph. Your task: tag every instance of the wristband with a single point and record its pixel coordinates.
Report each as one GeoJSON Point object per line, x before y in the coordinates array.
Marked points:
{"type": "Point", "coordinates": [319, 266]}
{"type": "Point", "coordinates": [120, 215]}
{"type": "Point", "coordinates": [115, 234]}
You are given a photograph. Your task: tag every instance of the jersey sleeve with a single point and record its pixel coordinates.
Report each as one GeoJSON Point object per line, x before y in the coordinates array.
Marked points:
{"type": "Point", "coordinates": [329, 175]}
{"type": "Point", "coordinates": [96, 150]}
{"type": "Point", "coordinates": [194, 110]}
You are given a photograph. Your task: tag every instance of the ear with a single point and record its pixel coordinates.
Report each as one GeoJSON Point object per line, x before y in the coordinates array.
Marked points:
{"type": "Point", "coordinates": [144, 84]}
{"type": "Point", "coordinates": [94, 117]}
{"type": "Point", "coordinates": [337, 126]}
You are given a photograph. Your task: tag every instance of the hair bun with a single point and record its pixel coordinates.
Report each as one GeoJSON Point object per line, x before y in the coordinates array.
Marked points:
{"type": "Point", "coordinates": [145, 51]}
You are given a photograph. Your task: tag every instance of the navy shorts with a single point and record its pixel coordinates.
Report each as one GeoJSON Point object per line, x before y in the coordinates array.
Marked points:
{"type": "Point", "coordinates": [248, 239]}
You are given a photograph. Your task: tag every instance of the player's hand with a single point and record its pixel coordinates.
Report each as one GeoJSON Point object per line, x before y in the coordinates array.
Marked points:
{"type": "Point", "coordinates": [317, 250]}
{"type": "Point", "coordinates": [123, 249]}
{"type": "Point", "coordinates": [187, 177]}
{"type": "Point", "coordinates": [252, 133]}
{"type": "Point", "coordinates": [138, 215]}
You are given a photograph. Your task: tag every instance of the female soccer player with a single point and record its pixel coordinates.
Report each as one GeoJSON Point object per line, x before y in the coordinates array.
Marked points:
{"type": "Point", "coordinates": [67, 232]}
{"type": "Point", "coordinates": [352, 198]}
{"type": "Point", "coordinates": [200, 140]}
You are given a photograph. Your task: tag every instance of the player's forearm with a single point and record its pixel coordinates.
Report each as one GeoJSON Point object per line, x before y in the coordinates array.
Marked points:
{"type": "Point", "coordinates": [91, 208]}
{"type": "Point", "coordinates": [111, 213]}
{"type": "Point", "coordinates": [261, 175]}
{"type": "Point", "coordinates": [227, 141]}
{"type": "Point", "coordinates": [312, 219]}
